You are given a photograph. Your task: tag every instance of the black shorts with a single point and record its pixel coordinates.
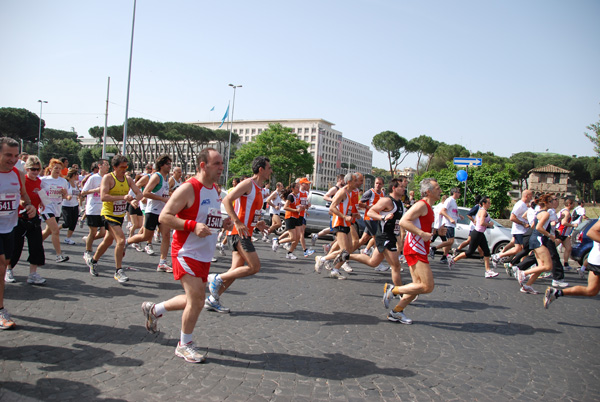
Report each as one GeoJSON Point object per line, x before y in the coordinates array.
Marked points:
{"type": "Point", "coordinates": [594, 268]}
{"type": "Point", "coordinates": [245, 242]}
{"type": "Point", "coordinates": [302, 221]}
{"type": "Point", "coordinates": [110, 220]}
{"type": "Point", "coordinates": [291, 223]}
{"type": "Point", "coordinates": [134, 211]}
{"type": "Point", "coordinates": [385, 241]}
{"type": "Point", "coordinates": [7, 244]}
{"type": "Point", "coordinates": [559, 236]}
{"type": "Point", "coordinates": [45, 217]}
{"type": "Point", "coordinates": [95, 221]}
{"type": "Point", "coordinates": [151, 221]}
{"type": "Point", "coordinates": [449, 232]}
{"type": "Point", "coordinates": [371, 227]}
{"type": "Point", "coordinates": [340, 229]}
{"type": "Point", "coordinates": [519, 238]}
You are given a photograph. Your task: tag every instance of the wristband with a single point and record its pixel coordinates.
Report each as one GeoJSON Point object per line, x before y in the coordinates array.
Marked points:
{"type": "Point", "coordinates": [189, 225]}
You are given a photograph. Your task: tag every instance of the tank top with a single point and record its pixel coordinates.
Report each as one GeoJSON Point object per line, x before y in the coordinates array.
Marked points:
{"type": "Point", "coordinates": [370, 198]}
{"type": "Point", "coordinates": [10, 198]}
{"type": "Point", "coordinates": [482, 228]}
{"type": "Point", "coordinates": [116, 208]}
{"type": "Point", "coordinates": [206, 209]}
{"type": "Point", "coordinates": [249, 208]}
{"type": "Point", "coordinates": [391, 227]}
{"type": "Point", "coordinates": [345, 207]}
{"type": "Point", "coordinates": [560, 228]}
{"type": "Point", "coordinates": [303, 198]}
{"type": "Point", "coordinates": [294, 202]}
{"type": "Point", "coordinates": [177, 184]}
{"type": "Point", "coordinates": [74, 192]}
{"type": "Point", "coordinates": [535, 232]}
{"type": "Point", "coordinates": [161, 190]}
{"type": "Point", "coordinates": [414, 244]}
{"type": "Point", "coordinates": [277, 202]}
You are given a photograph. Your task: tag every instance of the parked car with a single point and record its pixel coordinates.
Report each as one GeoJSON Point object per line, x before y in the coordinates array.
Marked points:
{"type": "Point", "coordinates": [582, 244]}
{"type": "Point", "coordinates": [497, 237]}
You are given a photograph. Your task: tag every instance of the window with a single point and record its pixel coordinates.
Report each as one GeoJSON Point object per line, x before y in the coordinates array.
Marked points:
{"type": "Point", "coordinates": [306, 130]}
{"type": "Point", "coordinates": [313, 138]}
{"type": "Point", "coordinates": [260, 130]}
{"type": "Point", "coordinates": [253, 131]}
{"type": "Point", "coordinates": [247, 131]}
{"type": "Point", "coordinates": [556, 178]}
{"type": "Point", "coordinates": [317, 199]}
{"type": "Point", "coordinates": [314, 130]}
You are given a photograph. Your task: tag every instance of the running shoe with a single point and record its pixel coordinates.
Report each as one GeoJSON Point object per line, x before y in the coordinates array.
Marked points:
{"type": "Point", "coordinates": [346, 267]}
{"type": "Point", "coordinates": [120, 276]}
{"type": "Point", "coordinates": [495, 260]}
{"type": "Point", "coordinates": [92, 265]}
{"type": "Point", "coordinates": [70, 241]}
{"type": "Point", "coordinates": [528, 289]}
{"type": "Point", "coordinates": [581, 272]}
{"type": "Point", "coordinates": [328, 265]}
{"type": "Point", "coordinates": [62, 258]}
{"type": "Point", "coordinates": [567, 267]}
{"type": "Point", "coordinates": [265, 238]}
{"type": "Point", "coordinates": [521, 277]}
{"type": "Point", "coordinates": [319, 262]}
{"type": "Point", "coordinates": [149, 249]}
{"type": "Point", "coordinates": [455, 252]}
{"type": "Point", "coordinates": [398, 316]}
{"type": "Point", "coordinates": [326, 248]}
{"type": "Point", "coordinates": [450, 259]}
{"type": "Point", "coordinates": [382, 268]}
{"type": "Point", "coordinates": [212, 304]}
{"type": "Point", "coordinates": [559, 283]}
{"type": "Point", "coordinates": [444, 260]}
{"type": "Point", "coordinates": [491, 274]}
{"type": "Point", "coordinates": [214, 259]}
{"type": "Point", "coordinates": [387, 294]}
{"type": "Point", "coordinates": [341, 257]}
{"type": "Point", "coordinates": [313, 239]}
{"type": "Point", "coordinates": [291, 256]}
{"type": "Point", "coordinates": [164, 267]}
{"type": "Point", "coordinates": [309, 252]}
{"type": "Point", "coordinates": [190, 353]}
{"type": "Point", "coordinates": [508, 268]}
{"type": "Point", "coordinates": [87, 256]}
{"type": "Point", "coordinates": [35, 279]}
{"type": "Point", "coordinates": [151, 319]}
{"type": "Point", "coordinates": [286, 246]}
{"type": "Point", "coordinates": [549, 296]}
{"type": "Point", "coordinates": [8, 276]}
{"type": "Point", "coordinates": [5, 321]}
{"type": "Point", "coordinates": [214, 285]}
{"type": "Point", "coordinates": [335, 274]}
{"type": "Point", "coordinates": [137, 247]}
{"type": "Point", "coordinates": [545, 275]}
{"type": "Point", "coordinates": [432, 253]}
{"type": "Point", "coordinates": [275, 244]}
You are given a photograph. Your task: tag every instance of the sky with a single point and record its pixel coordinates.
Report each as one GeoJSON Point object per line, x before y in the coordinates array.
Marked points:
{"type": "Point", "coordinates": [502, 76]}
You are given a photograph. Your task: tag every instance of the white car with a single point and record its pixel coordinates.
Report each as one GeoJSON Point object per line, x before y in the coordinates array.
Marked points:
{"type": "Point", "coordinates": [497, 237]}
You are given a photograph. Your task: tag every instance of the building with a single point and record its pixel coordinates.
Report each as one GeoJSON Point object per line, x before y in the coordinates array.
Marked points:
{"type": "Point", "coordinates": [333, 153]}
{"type": "Point", "coordinates": [551, 179]}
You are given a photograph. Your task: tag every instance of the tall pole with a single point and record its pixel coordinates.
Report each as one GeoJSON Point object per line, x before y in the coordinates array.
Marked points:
{"type": "Point", "coordinates": [128, 83]}
{"type": "Point", "coordinates": [40, 131]}
{"type": "Point", "coordinates": [230, 131]}
{"type": "Point", "coordinates": [105, 122]}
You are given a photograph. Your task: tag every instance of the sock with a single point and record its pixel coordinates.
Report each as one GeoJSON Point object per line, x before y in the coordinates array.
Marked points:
{"type": "Point", "coordinates": [161, 261]}
{"type": "Point", "coordinates": [185, 338]}
{"type": "Point", "coordinates": [94, 261]}
{"type": "Point", "coordinates": [398, 309]}
{"type": "Point", "coordinates": [559, 293]}
{"type": "Point", "coordinates": [159, 309]}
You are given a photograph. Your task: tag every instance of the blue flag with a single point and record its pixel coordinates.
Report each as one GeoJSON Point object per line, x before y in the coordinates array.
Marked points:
{"type": "Point", "coordinates": [225, 116]}
{"type": "Point", "coordinates": [213, 108]}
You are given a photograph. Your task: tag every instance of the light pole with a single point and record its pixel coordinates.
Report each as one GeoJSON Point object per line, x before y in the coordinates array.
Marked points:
{"type": "Point", "coordinates": [40, 132]}
{"type": "Point", "coordinates": [128, 83]}
{"type": "Point", "coordinates": [230, 130]}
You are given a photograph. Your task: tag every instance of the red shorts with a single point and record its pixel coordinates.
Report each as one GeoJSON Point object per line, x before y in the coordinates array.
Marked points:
{"type": "Point", "coordinates": [189, 266]}
{"type": "Point", "coordinates": [411, 259]}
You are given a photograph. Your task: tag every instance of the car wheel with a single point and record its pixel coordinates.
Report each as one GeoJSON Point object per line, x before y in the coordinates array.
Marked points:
{"type": "Point", "coordinates": [281, 229]}
{"type": "Point", "coordinates": [499, 247]}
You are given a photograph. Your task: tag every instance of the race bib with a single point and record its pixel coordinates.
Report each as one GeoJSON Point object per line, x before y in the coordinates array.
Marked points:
{"type": "Point", "coordinates": [214, 220]}
{"type": "Point", "coordinates": [257, 217]}
{"type": "Point", "coordinates": [397, 227]}
{"type": "Point", "coordinates": [55, 194]}
{"type": "Point", "coordinates": [119, 207]}
{"type": "Point", "coordinates": [8, 204]}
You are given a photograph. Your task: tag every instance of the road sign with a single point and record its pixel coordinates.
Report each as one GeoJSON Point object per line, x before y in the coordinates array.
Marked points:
{"type": "Point", "coordinates": [467, 161]}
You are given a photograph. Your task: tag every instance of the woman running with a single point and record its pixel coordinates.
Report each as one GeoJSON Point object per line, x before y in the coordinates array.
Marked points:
{"type": "Point", "coordinates": [70, 208]}
{"type": "Point", "coordinates": [54, 190]}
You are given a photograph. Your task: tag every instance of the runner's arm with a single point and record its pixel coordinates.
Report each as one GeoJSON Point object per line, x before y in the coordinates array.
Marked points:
{"type": "Point", "coordinates": [417, 210]}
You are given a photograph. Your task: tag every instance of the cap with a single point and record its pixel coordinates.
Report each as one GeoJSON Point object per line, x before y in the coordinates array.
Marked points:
{"type": "Point", "coordinates": [304, 180]}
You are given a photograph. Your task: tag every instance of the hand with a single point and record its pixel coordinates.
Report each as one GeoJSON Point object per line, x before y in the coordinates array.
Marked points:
{"type": "Point", "coordinates": [227, 224]}
{"type": "Point", "coordinates": [242, 229]}
{"type": "Point", "coordinates": [426, 236]}
{"type": "Point", "coordinates": [453, 221]}
{"type": "Point", "coordinates": [128, 198]}
{"type": "Point", "coordinates": [202, 230]}
{"type": "Point", "coordinates": [261, 226]}
{"type": "Point", "coordinates": [388, 217]}
{"type": "Point", "coordinates": [348, 218]}
{"type": "Point", "coordinates": [30, 209]}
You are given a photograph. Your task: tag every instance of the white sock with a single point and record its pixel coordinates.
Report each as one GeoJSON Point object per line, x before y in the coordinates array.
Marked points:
{"type": "Point", "coordinates": [159, 309]}
{"type": "Point", "coordinates": [162, 261]}
{"type": "Point", "coordinates": [185, 338]}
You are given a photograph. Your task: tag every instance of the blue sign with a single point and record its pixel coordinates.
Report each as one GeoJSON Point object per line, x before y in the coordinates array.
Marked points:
{"type": "Point", "coordinates": [467, 161]}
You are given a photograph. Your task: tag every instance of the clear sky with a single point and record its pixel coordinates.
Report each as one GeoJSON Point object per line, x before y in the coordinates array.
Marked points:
{"type": "Point", "coordinates": [502, 76]}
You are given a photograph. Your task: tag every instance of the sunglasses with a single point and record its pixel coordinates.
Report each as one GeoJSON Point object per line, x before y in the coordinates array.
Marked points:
{"type": "Point", "coordinates": [34, 169]}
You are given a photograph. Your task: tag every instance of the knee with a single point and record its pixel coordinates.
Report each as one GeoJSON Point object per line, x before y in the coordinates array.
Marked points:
{"type": "Point", "coordinates": [120, 243]}
{"type": "Point", "coordinates": [254, 268]}
{"type": "Point", "coordinates": [428, 287]}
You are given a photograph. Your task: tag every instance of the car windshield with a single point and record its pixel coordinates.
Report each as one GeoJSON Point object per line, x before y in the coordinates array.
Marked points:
{"type": "Point", "coordinates": [581, 227]}
{"type": "Point", "coordinates": [317, 199]}
{"type": "Point", "coordinates": [465, 221]}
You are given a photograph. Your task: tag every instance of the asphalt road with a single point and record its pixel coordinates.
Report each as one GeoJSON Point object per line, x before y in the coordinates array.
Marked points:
{"type": "Point", "coordinates": [295, 335]}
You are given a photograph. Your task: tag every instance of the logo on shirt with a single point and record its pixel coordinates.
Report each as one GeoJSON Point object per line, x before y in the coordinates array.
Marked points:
{"type": "Point", "coordinates": [205, 202]}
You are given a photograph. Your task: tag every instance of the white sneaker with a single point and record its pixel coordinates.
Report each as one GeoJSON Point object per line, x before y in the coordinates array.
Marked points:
{"type": "Point", "coordinates": [8, 276]}
{"type": "Point", "coordinates": [313, 239]}
{"type": "Point", "coordinates": [559, 284]}
{"type": "Point", "coordinates": [68, 240]}
{"type": "Point", "coordinates": [347, 267]}
{"type": "Point", "coordinates": [319, 262]}
{"type": "Point", "coordinates": [35, 279]}
{"type": "Point", "coordinates": [382, 268]}
{"type": "Point", "coordinates": [335, 274]}
{"type": "Point", "coordinates": [491, 274]}
{"type": "Point", "coordinates": [291, 256]}
{"type": "Point", "coordinates": [275, 244]}
{"type": "Point", "coordinates": [149, 249]}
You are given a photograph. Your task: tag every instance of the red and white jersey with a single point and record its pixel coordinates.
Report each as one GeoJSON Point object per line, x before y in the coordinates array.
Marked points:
{"type": "Point", "coordinates": [560, 228]}
{"type": "Point", "coordinates": [414, 244]}
{"type": "Point", "coordinates": [346, 208]}
{"type": "Point", "coordinates": [206, 209]}
{"type": "Point", "coordinates": [249, 208]}
{"type": "Point", "coordinates": [10, 198]}
{"type": "Point", "coordinates": [303, 196]}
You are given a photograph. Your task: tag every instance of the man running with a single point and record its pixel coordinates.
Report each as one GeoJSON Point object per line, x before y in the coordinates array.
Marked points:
{"type": "Point", "coordinates": [114, 192]}
{"type": "Point", "coordinates": [450, 217]}
{"type": "Point", "coordinates": [303, 195]}
{"type": "Point", "coordinates": [519, 227]}
{"type": "Point", "coordinates": [246, 215]}
{"type": "Point", "coordinates": [175, 180]}
{"type": "Point", "coordinates": [93, 208]}
{"type": "Point", "coordinates": [370, 198]}
{"type": "Point", "coordinates": [194, 212]}
{"type": "Point", "coordinates": [12, 194]}
{"type": "Point", "coordinates": [417, 221]}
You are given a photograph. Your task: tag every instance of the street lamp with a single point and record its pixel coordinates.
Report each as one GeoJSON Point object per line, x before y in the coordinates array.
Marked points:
{"type": "Point", "coordinates": [40, 132]}
{"type": "Point", "coordinates": [230, 130]}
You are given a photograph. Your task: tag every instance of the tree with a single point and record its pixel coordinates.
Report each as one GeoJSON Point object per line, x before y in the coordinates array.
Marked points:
{"type": "Point", "coordinates": [87, 156]}
{"type": "Point", "coordinates": [594, 136]}
{"type": "Point", "coordinates": [21, 124]}
{"type": "Point", "coordinates": [394, 146]}
{"type": "Point", "coordinates": [62, 147]}
{"type": "Point", "coordinates": [523, 162]}
{"type": "Point", "coordinates": [378, 172]}
{"type": "Point", "coordinates": [424, 146]}
{"type": "Point", "coordinates": [446, 153]}
{"type": "Point", "coordinates": [289, 155]}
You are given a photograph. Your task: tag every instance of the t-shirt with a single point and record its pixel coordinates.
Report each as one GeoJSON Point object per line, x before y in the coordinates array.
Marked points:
{"type": "Point", "coordinates": [580, 211]}
{"type": "Point", "coordinates": [52, 188]}
{"type": "Point", "coordinates": [452, 210]}
{"type": "Point", "coordinates": [93, 202]}
{"type": "Point", "coordinates": [518, 210]}
{"type": "Point", "coordinates": [437, 222]}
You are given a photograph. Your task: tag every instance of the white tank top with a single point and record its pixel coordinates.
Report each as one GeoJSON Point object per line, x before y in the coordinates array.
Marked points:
{"type": "Point", "coordinates": [277, 202]}
{"type": "Point", "coordinates": [155, 206]}
{"type": "Point", "coordinates": [10, 197]}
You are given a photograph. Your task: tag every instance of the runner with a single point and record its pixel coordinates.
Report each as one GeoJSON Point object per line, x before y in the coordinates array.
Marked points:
{"type": "Point", "coordinates": [194, 212]}
{"type": "Point", "coordinates": [93, 208]}
{"type": "Point", "coordinates": [175, 180]}
{"type": "Point", "coordinates": [292, 208]}
{"type": "Point", "coordinates": [12, 195]}
{"type": "Point", "coordinates": [275, 203]}
{"type": "Point", "coordinates": [519, 227]}
{"type": "Point", "coordinates": [156, 192]}
{"type": "Point", "coordinates": [246, 214]}
{"type": "Point", "coordinates": [114, 193]}
{"type": "Point", "coordinates": [438, 229]}
{"type": "Point", "coordinates": [70, 208]}
{"type": "Point", "coordinates": [370, 198]}
{"type": "Point", "coordinates": [592, 265]}
{"type": "Point", "coordinates": [417, 221]}
{"type": "Point", "coordinates": [564, 230]}
{"type": "Point", "coordinates": [303, 196]}
{"type": "Point", "coordinates": [450, 216]}
{"type": "Point", "coordinates": [54, 190]}
{"type": "Point", "coordinates": [328, 197]}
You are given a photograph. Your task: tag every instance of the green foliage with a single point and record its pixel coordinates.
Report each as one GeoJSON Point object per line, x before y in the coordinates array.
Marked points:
{"type": "Point", "coordinates": [393, 145]}
{"type": "Point", "coordinates": [62, 147]}
{"type": "Point", "coordinates": [491, 180]}
{"type": "Point", "coordinates": [21, 124]}
{"type": "Point", "coordinates": [594, 136]}
{"type": "Point", "coordinates": [445, 154]}
{"type": "Point", "coordinates": [424, 146]}
{"type": "Point", "coordinates": [87, 156]}
{"type": "Point", "coordinates": [289, 155]}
